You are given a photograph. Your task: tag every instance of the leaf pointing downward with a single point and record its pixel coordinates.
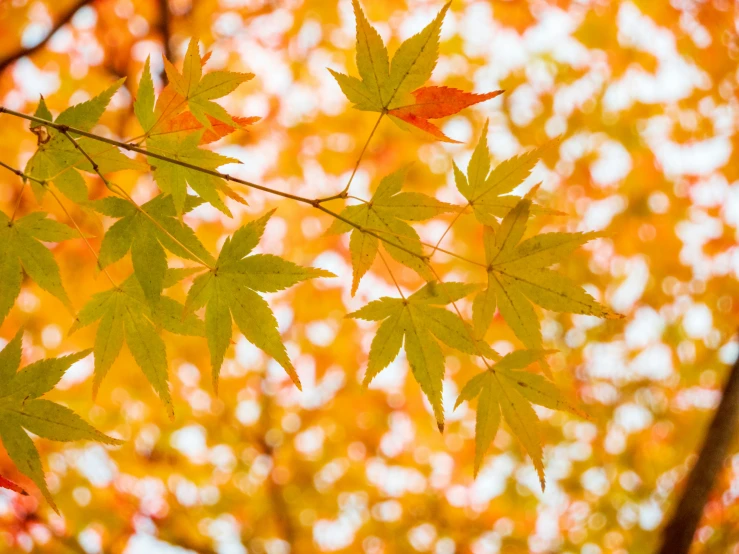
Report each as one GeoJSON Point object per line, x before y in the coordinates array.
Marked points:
{"type": "Point", "coordinates": [230, 291]}
{"type": "Point", "coordinates": [418, 320]}
{"type": "Point", "coordinates": [21, 409]}
{"type": "Point", "coordinates": [501, 389]}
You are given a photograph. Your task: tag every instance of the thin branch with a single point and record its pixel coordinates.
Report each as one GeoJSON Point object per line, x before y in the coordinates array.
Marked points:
{"type": "Point", "coordinates": [63, 20]}
{"type": "Point", "coordinates": [344, 192]}
{"type": "Point", "coordinates": [449, 228]}
{"type": "Point", "coordinates": [121, 192]}
{"type": "Point", "coordinates": [435, 247]}
{"type": "Point", "coordinates": [316, 203]}
{"type": "Point", "coordinates": [679, 532]}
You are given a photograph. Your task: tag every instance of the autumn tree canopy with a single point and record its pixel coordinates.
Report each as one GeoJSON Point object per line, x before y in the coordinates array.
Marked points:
{"type": "Point", "coordinates": [239, 313]}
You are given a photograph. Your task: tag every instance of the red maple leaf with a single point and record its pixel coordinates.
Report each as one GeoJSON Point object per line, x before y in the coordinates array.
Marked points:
{"type": "Point", "coordinates": [436, 102]}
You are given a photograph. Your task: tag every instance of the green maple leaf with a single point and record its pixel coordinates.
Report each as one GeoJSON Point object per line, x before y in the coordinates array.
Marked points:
{"type": "Point", "coordinates": [392, 87]}
{"type": "Point", "coordinates": [487, 191]}
{"type": "Point", "coordinates": [22, 409]}
{"type": "Point", "coordinates": [199, 90]}
{"type": "Point", "coordinates": [502, 389]}
{"type": "Point", "coordinates": [56, 159]}
{"type": "Point", "coordinates": [174, 179]}
{"type": "Point", "coordinates": [147, 241]}
{"type": "Point", "coordinates": [386, 214]}
{"type": "Point", "coordinates": [125, 315]}
{"type": "Point", "coordinates": [385, 85]}
{"type": "Point", "coordinates": [20, 250]}
{"type": "Point", "coordinates": [518, 276]}
{"type": "Point", "coordinates": [230, 291]}
{"type": "Point", "coordinates": [417, 320]}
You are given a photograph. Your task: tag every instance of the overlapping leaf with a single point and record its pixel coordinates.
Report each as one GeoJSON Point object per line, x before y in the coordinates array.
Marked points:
{"type": "Point", "coordinates": [386, 215]}
{"type": "Point", "coordinates": [518, 276]}
{"type": "Point", "coordinates": [147, 239]}
{"type": "Point", "coordinates": [198, 91]}
{"type": "Point", "coordinates": [393, 87]}
{"type": "Point", "coordinates": [175, 134]}
{"type": "Point", "coordinates": [417, 320]}
{"type": "Point", "coordinates": [230, 291]}
{"type": "Point", "coordinates": [487, 191]}
{"type": "Point", "coordinates": [125, 316]}
{"type": "Point", "coordinates": [503, 389]}
{"type": "Point", "coordinates": [20, 250]}
{"type": "Point", "coordinates": [22, 409]}
{"type": "Point", "coordinates": [57, 160]}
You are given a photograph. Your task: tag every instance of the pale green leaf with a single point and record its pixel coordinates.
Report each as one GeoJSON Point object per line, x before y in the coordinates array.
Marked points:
{"type": "Point", "coordinates": [524, 423]}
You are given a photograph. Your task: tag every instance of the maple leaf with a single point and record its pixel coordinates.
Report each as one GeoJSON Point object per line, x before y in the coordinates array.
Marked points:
{"type": "Point", "coordinates": [147, 240]}
{"type": "Point", "coordinates": [11, 486]}
{"type": "Point", "coordinates": [230, 290]}
{"type": "Point", "coordinates": [393, 87]}
{"type": "Point", "coordinates": [56, 159]}
{"type": "Point", "coordinates": [125, 315]}
{"type": "Point", "coordinates": [22, 409]}
{"type": "Point", "coordinates": [417, 320]}
{"type": "Point", "coordinates": [167, 115]}
{"type": "Point", "coordinates": [21, 249]}
{"type": "Point", "coordinates": [198, 91]}
{"type": "Point", "coordinates": [502, 389]}
{"type": "Point", "coordinates": [518, 276]}
{"type": "Point", "coordinates": [386, 214]}
{"type": "Point", "coordinates": [174, 178]}
{"type": "Point", "coordinates": [437, 102]}
{"type": "Point", "coordinates": [487, 191]}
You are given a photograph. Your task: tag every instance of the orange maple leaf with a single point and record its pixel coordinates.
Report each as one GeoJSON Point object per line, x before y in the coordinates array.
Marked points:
{"type": "Point", "coordinates": [186, 122]}
{"type": "Point", "coordinates": [8, 484]}
{"type": "Point", "coordinates": [436, 102]}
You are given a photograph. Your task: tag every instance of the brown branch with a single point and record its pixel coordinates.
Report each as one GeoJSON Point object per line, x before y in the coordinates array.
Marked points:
{"type": "Point", "coordinates": [61, 22]}
{"type": "Point", "coordinates": [678, 533]}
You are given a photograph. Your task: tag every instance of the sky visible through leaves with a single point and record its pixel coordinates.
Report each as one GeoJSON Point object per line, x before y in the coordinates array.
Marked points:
{"type": "Point", "coordinates": [631, 106]}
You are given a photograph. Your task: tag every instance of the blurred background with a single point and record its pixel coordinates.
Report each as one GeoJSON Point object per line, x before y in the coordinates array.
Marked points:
{"type": "Point", "coordinates": [644, 95]}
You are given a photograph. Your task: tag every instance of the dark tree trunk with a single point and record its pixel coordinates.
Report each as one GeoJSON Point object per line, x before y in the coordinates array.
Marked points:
{"type": "Point", "coordinates": [679, 531]}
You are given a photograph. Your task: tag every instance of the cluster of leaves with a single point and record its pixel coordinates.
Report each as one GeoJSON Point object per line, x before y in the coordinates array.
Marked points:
{"type": "Point", "coordinates": [226, 288]}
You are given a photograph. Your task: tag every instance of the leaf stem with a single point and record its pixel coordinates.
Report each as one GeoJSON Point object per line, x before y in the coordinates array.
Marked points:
{"type": "Point", "coordinates": [82, 235]}
{"type": "Point", "coordinates": [390, 271]}
{"type": "Point", "coordinates": [121, 192]}
{"type": "Point", "coordinates": [343, 193]}
{"type": "Point", "coordinates": [459, 313]}
{"type": "Point", "coordinates": [449, 228]}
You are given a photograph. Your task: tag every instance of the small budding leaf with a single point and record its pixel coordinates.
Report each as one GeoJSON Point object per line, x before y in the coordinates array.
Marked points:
{"type": "Point", "coordinates": [518, 276]}
{"type": "Point", "coordinates": [504, 389]}
{"type": "Point", "coordinates": [392, 87]}
{"type": "Point", "coordinates": [125, 315]}
{"type": "Point", "coordinates": [417, 320]}
{"type": "Point", "coordinates": [385, 216]}
{"type": "Point", "coordinates": [229, 291]}
{"type": "Point", "coordinates": [21, 249]}
{"type": "Point", "coordinates": [22, 409]}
